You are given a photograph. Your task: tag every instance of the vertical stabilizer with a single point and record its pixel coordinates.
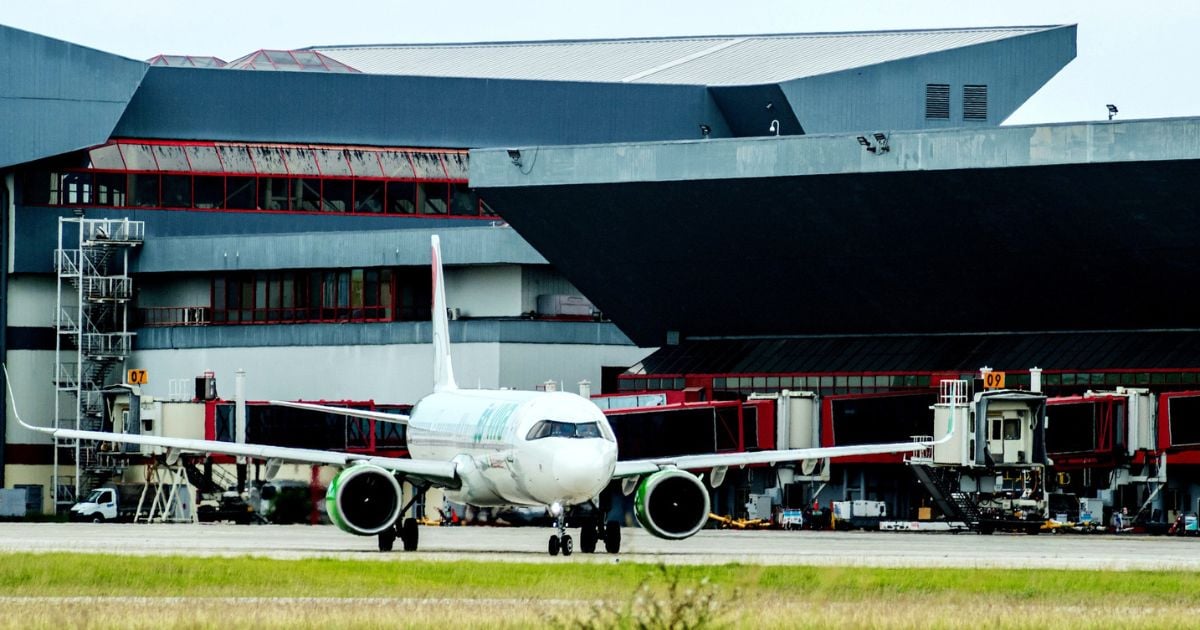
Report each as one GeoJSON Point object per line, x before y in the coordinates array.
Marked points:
{"type": "Point", "coordinates": [443, 372]}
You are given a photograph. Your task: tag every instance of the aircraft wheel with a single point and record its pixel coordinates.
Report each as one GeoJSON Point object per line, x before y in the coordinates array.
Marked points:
{"type": "Point", "coordinates": [387, 538]}
{"type": "Point", "coordinates": [612, 537]}
{"type": "Point", "coordinates": [410, 534]}
{"type": "Point", "coordinates": [587, 538]}
{"type": "Point", "coordinates": [567, 545]}
{"type": "Point", "coordinates": [554, 546]}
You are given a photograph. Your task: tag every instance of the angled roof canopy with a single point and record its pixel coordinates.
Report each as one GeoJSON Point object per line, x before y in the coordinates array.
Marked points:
{"type": "Point", "coordinates": [186, 61]}
{"type": "Point", "coordinates": [710, 60]}
{"type": "Point", "coordinates": [293, 60]}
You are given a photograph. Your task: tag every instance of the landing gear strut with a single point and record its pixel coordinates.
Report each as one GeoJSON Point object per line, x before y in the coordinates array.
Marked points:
{"type": "Point", "coordinates": [404, 529]}
{"type": "Point", "coordinates": [562, 540]}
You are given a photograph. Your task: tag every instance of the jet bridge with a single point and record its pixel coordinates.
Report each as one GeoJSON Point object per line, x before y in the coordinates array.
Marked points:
{"type": "Point", "coordinates": [988, 466]}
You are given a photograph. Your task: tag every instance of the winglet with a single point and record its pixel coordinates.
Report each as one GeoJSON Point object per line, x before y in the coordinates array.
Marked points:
{"type": "Point", "coordinates": [443, 371]}
{"type": "Point", "coordinates": [12, 399]}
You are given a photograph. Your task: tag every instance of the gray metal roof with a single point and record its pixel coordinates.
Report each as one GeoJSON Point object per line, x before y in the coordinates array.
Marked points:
{"type": "Point", "coordinates": [709, 60]}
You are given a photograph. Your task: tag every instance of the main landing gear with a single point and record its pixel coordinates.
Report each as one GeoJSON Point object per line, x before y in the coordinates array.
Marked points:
{"type": "Point", "coordinates": [590, 535]}
{"type": "Point", "coordinates": [404, 529]}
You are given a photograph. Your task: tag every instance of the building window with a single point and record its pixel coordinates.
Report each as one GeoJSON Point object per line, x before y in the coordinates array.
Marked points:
{"type": "Point", "coordinates": [937, 101]}
{"type": "Point", "coordinates": [301, 296]}
{"type": "Point", "coordinates": [263, 177]}
{"type": "Point", "coordinates": [975, 102]}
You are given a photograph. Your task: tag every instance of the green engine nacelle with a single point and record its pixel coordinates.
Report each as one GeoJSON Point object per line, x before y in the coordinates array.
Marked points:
{"type": "Point", "coordinates": [672, 504]}
{"type": "Point", "coordinates": [363, 500]}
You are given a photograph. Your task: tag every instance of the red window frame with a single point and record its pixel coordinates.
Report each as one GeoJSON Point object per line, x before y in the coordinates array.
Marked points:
{"type": "Point", "coordinates": [88, 195]}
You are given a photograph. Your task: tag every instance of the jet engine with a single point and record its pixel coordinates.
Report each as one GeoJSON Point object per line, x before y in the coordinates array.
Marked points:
{"type": "Point", "coordinates": [671, 504]}
{"type": "Point", "coordinates": [363, 500]}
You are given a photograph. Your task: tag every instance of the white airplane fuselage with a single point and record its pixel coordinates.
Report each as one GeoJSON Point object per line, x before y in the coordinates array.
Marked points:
{"type": "Point", "coordinates": [486, 433]}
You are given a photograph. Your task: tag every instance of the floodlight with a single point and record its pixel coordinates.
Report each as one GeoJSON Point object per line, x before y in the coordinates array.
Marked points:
{"type": "Point", "coordinates": [882, 139]}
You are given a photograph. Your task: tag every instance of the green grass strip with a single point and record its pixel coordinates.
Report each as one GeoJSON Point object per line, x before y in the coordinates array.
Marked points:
{"type": "Point", "coordinates": [64, 574]}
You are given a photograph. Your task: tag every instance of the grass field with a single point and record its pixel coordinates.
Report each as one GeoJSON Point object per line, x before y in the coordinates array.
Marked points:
{"type": "Point", "coordinates": [66, 590]}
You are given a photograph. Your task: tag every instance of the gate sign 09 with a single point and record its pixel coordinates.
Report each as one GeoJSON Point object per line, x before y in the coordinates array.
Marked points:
{"type": "Point", "coordinates": [993, 380]}
{"type": "Point", "coordinates": [137, 377]}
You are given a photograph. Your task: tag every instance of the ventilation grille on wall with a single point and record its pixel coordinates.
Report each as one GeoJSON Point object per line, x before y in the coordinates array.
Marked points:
{"type": "Point", "coordinates": [975, 102]}
{"type": "Point", "coordinates": [937, 101]}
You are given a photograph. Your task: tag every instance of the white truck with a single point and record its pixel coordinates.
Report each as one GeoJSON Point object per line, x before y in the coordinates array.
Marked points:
{"type": "Point", "coordinates": [110, 502]}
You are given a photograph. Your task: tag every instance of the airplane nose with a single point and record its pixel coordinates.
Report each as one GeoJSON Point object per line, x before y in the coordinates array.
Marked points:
{"type": "Point", "coordinates": [580, 473]}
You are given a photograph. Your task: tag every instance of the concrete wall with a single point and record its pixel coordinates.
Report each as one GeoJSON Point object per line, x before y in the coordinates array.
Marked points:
{"type": "Point", "coordinates": [30, 372]}
{"type": "Point", "coordinates": [161, 290]}
{"type": "Point", "coordinates": [20, 475]}
{"type": "Point", "coordinates": [891, 96]}
{"type": "Point", "coordinates": [537, 363]}
{"type": "Point", "coordinates": [31, 300]}
{"type": "Point", "coordinates": [393, 374]}
{"type": "Point", "coordinates": [542, 280]}
{"type": "Point", "coordinates": [485, 291]}
{"type": "Point", "coordinates": [386, 374]}
{"type": "Point", "coordinates": [180, 240]}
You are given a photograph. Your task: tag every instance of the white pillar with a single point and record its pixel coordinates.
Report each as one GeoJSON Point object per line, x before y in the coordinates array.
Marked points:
{"type": "Point", "coordinates": [239, 414]}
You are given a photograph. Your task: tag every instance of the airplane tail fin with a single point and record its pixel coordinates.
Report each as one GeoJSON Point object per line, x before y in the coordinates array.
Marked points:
{"type": "Point", "coordinates": [443, 371]}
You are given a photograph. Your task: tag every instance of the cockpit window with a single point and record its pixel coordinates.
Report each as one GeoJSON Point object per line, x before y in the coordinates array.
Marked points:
{"type": "Point", "coordinates": [557, 428]}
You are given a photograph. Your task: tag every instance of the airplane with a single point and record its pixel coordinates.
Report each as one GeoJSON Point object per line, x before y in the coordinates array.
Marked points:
{"type": "Point", "coordinates": [499, 448]}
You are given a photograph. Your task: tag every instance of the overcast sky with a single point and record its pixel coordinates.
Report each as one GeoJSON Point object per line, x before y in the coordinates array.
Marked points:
{"type": "Point", "coordinates": [1141, 56]}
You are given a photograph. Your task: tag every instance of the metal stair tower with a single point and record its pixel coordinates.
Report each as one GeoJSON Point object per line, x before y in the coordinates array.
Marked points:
{"type": "Point", "coordinates": [91, 320]}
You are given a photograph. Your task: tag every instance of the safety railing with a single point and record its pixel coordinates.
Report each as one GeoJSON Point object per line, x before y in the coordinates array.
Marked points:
{"type": "Point", "coordinates": [99, 288]}
{"type": "Point", "coordinates": [159, 316]}
{"type": "Point", "coordinates": [953, 392]}
{"type": "Point", "coordinates": [113, 231]}
{"type": "Point", "coordinates": [924, 455]}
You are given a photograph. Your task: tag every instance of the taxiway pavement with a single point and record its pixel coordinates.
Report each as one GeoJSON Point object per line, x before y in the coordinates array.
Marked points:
{"type": "Point", "coordinates": [528, 544]}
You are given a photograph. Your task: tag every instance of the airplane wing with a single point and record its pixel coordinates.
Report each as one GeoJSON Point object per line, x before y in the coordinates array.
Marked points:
{"type": "Point", "coordinates": [438, 472]}
{"type": "Point", "coordinates": [353, 413]}
{"type": "Point", "coordinates": [636, 467]}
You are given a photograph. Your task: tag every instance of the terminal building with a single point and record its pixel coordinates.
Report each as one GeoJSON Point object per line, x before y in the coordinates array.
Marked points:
{"type": "Point", "coordinates": [731, 216]}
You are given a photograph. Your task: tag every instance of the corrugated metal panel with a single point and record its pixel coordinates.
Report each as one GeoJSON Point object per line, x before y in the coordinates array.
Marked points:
{"type": "Point", "coordinates": [604, 61]}
{"type": "Point", "coordinates": [966, 353]}
{"type": "Point", "coordinates": [198, 104]}
{"type": "Point", "coordinates": [722, 60]}
{"type": "Point", "coordinates": [347, 334]}
{"type": "Point", "coordinates": [57, 97]}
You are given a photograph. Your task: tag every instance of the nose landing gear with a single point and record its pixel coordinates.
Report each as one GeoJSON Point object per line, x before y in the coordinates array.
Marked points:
{"type": "Point", "coordinates": [562, 540]}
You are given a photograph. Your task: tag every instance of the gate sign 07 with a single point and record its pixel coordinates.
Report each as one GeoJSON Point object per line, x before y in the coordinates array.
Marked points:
{"type": "Point", "coordinates": [137, 377]}
{"type": "Point", "coordinates": [993, 380]}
